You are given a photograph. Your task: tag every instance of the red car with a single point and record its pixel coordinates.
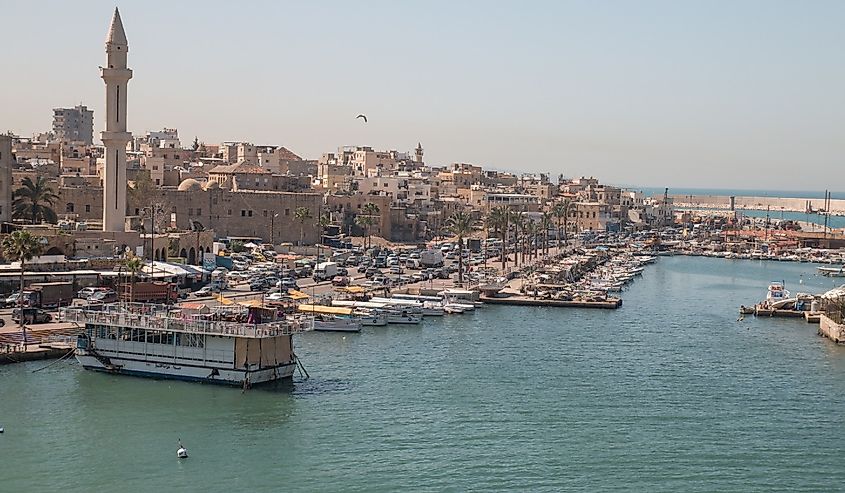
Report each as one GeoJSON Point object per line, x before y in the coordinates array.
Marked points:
{"type": "Point", "coordinates": [340, 281]}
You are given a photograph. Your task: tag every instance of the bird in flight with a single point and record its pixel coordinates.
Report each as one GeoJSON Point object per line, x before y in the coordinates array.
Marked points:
{"type": "Point", "coordinates": [362, 116]}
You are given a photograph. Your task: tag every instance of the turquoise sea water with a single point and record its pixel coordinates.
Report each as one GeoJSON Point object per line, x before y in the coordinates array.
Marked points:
{"type": "Point", "coordinates": [668, 393]}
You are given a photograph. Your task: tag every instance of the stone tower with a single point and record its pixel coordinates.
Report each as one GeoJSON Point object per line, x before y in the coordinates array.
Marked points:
{"type": "Point", "coordinates": [115, 137]}
{"type": "Point", "coordinates": [418, 153]}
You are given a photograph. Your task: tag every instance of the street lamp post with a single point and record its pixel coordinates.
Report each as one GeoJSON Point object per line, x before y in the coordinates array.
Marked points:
{"type": "Point", "coordinates": [273, 217]}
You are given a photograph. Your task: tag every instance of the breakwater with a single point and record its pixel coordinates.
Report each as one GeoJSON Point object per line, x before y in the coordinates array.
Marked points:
{"type": "Point", "coordinates": [837, 206]}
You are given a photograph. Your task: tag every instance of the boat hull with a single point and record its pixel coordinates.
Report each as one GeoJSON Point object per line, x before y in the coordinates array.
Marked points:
{"type": "Point", "coordinates": [189, 373]}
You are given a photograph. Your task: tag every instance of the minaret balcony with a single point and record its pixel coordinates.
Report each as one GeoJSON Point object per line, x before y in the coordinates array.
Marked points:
{"type": "Point", "coordinates": [116, 74]}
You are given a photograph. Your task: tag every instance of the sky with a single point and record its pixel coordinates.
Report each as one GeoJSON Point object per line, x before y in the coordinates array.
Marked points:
{"type": "Point", "coordinates": [729, 94]}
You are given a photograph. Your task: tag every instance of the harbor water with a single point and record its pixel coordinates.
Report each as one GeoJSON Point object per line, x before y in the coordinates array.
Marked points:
{"type": "Point", "coordinates": [668, 393]}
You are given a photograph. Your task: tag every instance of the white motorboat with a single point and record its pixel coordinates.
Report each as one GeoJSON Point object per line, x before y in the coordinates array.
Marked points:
{"type": "Point", "coordinates": [333, 318]}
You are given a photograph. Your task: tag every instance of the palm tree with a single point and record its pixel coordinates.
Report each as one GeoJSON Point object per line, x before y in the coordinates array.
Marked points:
{"type": "Point", "coordinates": [461, 225]}
{"type": "Point", "coordinates": [499, 218]}
{"type": "Point", "coordinates": [21, 246]}
{"type": "Point", "coordinates": [365, 222]}
{"type": "Point", "coordinates": [518, 221]}
{"type": "Point", "coordinates": [322, 223]}
{"type": "Point", "coordinates": [133, 265]}
{"type": "Point", "coordinates": [34, 201]}
{"type": "Point", "coordinates": [561, 212]}
{"type": "Point", "coordinates": [545, 224]}
{"type": "Point", "coordinates": [301, 214]}
{"type": "Point", "coordinates": [370, 210]}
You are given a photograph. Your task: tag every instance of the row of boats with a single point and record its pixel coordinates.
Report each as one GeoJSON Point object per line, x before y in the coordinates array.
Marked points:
{"type": "Point", "coordinates": [590, 276]}
{"type": "Point", "coordinates": [352, 315]}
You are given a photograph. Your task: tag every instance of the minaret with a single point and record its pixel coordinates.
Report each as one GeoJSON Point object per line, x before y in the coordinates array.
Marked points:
{"type": "Point", "coordinates": [418, 153]}
{"type": "Point", "coordinates": [115, 137]}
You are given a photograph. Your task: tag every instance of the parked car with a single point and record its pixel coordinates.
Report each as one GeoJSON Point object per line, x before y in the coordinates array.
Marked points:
{"type": "Point", "coordinates": [32, 316]}
{"type": "Point", "coordinates": [370, 272]}
{"type": "Point", "coordinates": [362, 268]}
{"type": "Point", "coordinates": [275, 296]}
{"type": "Point", "coordinates": [206, 291]}
{"type": "Point", "coordinates": [340, 281]}
{"type": "Point", "coordinates": [103, 296]}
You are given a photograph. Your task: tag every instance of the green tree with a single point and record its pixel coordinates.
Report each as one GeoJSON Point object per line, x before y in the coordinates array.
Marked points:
{"type": "Point", "coordinates": [518, 222]}
{"type": "Point", "coordinates": [21, 246]}
{"type": "Point", "coordinates": [133, 265]}
{"type": "Point", "coordinates": [561, 212]}
{"type": "Point", "coordinates": [499, 219]}
{"type": "Point", "coordinates": [545, 225]}
{"type": "Point", "coordinates": [365, 222]}
{"type": "Point", "coordinates": [34, 201]}
{"type": "Point", "coordinates": [370, 210]}
{"type": "Point", "coordinates": [236, 246]}
{"type": "Point", "coordinates": [460, 224]}
{"type": "Point", "coordinates": [301, 214]}
{"type": "Point", "coordinates": [322, 223]}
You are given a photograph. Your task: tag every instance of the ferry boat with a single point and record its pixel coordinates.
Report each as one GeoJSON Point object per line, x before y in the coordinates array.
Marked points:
{"type": "Point", "coordinates": [242, 346]}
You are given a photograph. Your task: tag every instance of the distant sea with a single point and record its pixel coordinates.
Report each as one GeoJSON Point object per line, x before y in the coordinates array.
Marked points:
{"type": "Point", "coordinates": [738, 192]}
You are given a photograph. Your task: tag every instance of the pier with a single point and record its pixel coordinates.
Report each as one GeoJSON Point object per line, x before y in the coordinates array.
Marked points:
{"type": "Point", "coordinates": [610, 304]}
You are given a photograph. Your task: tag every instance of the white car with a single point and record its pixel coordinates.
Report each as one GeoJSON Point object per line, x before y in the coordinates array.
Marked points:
{"type": "Point", "coordinates": [275, 297]}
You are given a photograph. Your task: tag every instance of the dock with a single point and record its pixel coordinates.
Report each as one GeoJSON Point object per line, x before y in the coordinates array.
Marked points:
{"type": "Point", "coordinates": [610, 304]}
{"type": "Point", "coordinates": [832, 330]}
{"type": "Point", "coordinates": [36, 352]}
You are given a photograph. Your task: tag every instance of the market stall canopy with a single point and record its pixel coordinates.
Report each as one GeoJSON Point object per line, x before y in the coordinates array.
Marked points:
{"type": "Point", "coordinates": [296, 295]}
{"type": "Point", "coordinates": [327, 310]}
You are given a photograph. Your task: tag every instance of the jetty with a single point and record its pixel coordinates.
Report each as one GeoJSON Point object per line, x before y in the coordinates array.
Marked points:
{"type": "Point", "coordinates": [609, 304]}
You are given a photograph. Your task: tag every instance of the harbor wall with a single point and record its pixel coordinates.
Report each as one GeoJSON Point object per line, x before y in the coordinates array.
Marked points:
{"type": "Point", "coordinates": [837, 206]}
{"type": "Point", "coordinates": [832, 330]}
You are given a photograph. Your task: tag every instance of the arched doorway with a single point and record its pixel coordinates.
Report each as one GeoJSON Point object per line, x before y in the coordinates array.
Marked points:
{"type": "Point", "coordinates": [163, 254]}
{"type": "Point", "coordinates": [192, 256]}
{"type": "Point", "coordinates": [54, 251]}
{"type": "Point", "coordinates": [155, 255]}
{"type": "Point", "coordinates": [183, 253]}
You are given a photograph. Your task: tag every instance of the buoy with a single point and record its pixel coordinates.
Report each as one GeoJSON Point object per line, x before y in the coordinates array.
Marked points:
{"type": "Point", "coordinates": [181, 452]}
{"type": "Point", "coordinates": [2, 429]}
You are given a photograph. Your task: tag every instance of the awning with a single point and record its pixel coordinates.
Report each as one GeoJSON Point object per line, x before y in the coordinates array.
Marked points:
{"type": "Point", "coordinates": [223, 300]}
{"type": "Point", "coordinates": [296, 295]}
{"type": "Point", "coordinates": [353, 289]}
{"type": "Point", "coordinates": [329, 310]}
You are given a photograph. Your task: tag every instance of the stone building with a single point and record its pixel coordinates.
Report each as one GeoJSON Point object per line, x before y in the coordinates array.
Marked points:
{"type": "Point", "coordinates": [74, 124]}
{"type": "Point", "coordinates": [6, 164]}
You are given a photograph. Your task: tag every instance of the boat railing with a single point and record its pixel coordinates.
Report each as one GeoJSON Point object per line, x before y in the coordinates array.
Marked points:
{"type": "Point", "coordinates": [177, 322]}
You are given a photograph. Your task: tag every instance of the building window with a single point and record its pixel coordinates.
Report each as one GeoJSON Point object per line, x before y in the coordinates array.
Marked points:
{"type": "Point", "coordinates": [250, 213]}
{"type": "Point", "coordinates": [69, 207]}
{"type": "Point", "coordinates": [229, 212]}
{"type": "Point", "coordinates": [87, 207]}
{"type": "Point", "coordinates": [287, 212]}
{"type": "Point", "coordinates": [199, 212]}
{"type": "Point", "coordinates": [265, 213]}
{"type": "Point", "coordinates": [243, 213]}
{"type": "Point", "coordinates": [158, 182]}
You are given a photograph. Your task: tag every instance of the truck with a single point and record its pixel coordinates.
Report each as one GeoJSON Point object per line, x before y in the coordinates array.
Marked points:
{"type": "Point", "coordinates": [149, 292]}
{"type": "Point", "coordinates": [48, 294]}
{"type": "Point", "coordinates": [431, 258]}
{"type": "Point", "coordinates": [325, 271]}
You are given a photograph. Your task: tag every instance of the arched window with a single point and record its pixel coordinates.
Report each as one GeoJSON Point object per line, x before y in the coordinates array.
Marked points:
{"type": "Point", "coordinates": [69, 207]}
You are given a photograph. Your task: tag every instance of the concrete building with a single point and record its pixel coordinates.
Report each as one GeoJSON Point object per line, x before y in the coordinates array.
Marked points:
{"type": "Point", "coordinates": [74, 124]}
{"type": "Point", "coordinates": [6, 163]}
{"type": "Point", "coordinates": [116, 75]}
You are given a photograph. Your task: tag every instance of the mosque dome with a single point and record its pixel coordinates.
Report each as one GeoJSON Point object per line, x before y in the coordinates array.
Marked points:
{"type": "Point", "coordinates": [190, 185]}
{"type": "Point", "coordinates": [212, 185]}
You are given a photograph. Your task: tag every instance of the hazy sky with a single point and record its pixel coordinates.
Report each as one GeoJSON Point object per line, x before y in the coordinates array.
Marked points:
{"type": "Point", "coordinates": [745, 94]}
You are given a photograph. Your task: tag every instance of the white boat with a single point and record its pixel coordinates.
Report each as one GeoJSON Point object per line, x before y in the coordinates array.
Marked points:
{"type": "Point", "coordinates": [832, 271]}
{"type": "Point", "coordinates": [371, 318]}
{"type": "Point", "coordinates": [161, 341]}
{"type": "Point", "coordinates": [776, 293]}
{"type": "Point", "coordinates": [332, 318]}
